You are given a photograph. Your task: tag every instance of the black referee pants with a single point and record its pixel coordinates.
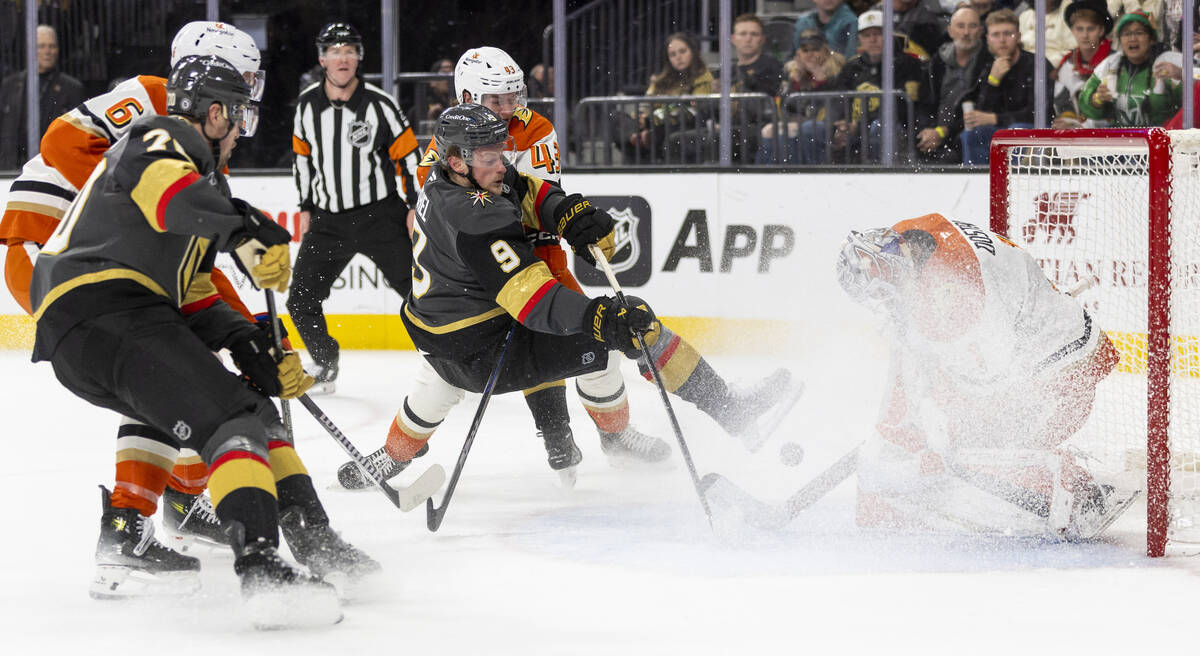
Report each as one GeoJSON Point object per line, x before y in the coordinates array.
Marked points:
{"type": "Point", "coordinates": [377, 231]}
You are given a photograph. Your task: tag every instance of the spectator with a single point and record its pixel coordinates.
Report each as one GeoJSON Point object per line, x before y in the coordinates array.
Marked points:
{"type": "Point", "coordinates": [1147, 78]}
{"type": "Point", "coordinates": [1153, 9]}
{"type": "Point", "coordinates": [57, 94]}
{"type": "Point", "coordinates": [836, 21]}
{"type": "Point", "coordinates": [541, 82]}
{"type": "Point", "coordinates": [983, 8]}
{"type": "Point", "coordinates": [437, 97]}
{"type": "Point", "coordinates": [1177, 40]}
{"type": "Point", "coordinates": [1059, 39]}
{"type": "Point", "coordinates": [1090, 22]}
{"type": "Point", "coordinates": [1006, 88]}
{"type": "Point", "coordinates": [683, 74]}
{"type": "Point", "coordinates": [864, 73]}
{"type": "Point", "coordinates": [812, 68]}
{"type": "Point", "coordinates": [953, 77]}
{"type": "Point", "coordinates": [923, 27]}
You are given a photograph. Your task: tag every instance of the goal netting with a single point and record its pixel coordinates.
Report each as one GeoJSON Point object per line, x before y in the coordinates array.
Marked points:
{"type": "Point", "coordinates": [1120, 209]}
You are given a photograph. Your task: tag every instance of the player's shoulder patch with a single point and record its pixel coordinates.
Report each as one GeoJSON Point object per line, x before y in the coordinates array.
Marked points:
{"type": "Point", "coordinates": [430, 158]}
{"type": "Point", "coordinates": [471, 211]}
{"type": "Point", "coordinates": [524, 115]}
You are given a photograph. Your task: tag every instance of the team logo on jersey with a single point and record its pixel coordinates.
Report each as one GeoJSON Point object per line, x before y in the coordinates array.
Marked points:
{"type": "Point", "coordinates": [1054, 217]}
{"type": "Point", "coordinates": [360, 134]}
{"type": "Point", "coordinates": [523, 114]}
{"type": "Point", "coordinates": [182, 430]}
{"type": "Point", "coordinates": [480, 197]}
{"type": "Point", "coordinates": [430, 158]}
{"type": "Point", "coordinates": [631, 259]}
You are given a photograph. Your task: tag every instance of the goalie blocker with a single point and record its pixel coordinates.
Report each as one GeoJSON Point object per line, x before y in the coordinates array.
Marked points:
{"type": "Point", "coordinates": [992, 371]}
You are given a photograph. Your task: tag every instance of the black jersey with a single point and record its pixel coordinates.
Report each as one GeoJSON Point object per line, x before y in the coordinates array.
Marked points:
{"type": "Point", "coordinates": [144, 229]}
{"type": "Point", "coordinates": [474, 269]}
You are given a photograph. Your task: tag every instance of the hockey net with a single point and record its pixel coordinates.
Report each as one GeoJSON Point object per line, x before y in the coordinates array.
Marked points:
{"type": "Point", "coordinates": [1117, 213]}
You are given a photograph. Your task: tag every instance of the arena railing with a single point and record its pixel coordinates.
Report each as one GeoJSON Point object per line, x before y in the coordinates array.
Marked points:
{"type": "Point", "coordinates": [683, 129]}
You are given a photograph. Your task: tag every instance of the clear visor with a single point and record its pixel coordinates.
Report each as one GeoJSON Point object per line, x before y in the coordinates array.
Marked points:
{"type": "Point", "coordinates": [258, 83]}
{"type": "Point", "coordinates": [498, 102]}
{"type": "Point", "coordinates": [484, 155]}
{"type": "Point", "coordinates": [248, 116]}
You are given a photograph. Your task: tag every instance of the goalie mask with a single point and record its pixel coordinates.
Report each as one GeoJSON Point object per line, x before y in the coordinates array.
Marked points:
{"type": "Point", "coordinates": [490, 72]}
{"type": "Point", "coordinates": [873, 264]}
{"type": "Point", "coordinates": [225, 41]}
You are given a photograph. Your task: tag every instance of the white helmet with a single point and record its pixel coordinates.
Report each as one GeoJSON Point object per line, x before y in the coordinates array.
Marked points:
{"type": "Point", "coordinates": [488, 70]}
{"type": "Point", "coordinates": [225, 41]}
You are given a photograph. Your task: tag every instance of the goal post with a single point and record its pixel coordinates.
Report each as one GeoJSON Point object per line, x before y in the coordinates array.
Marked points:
{"type": "Point", "coordinates": [1122, 207]}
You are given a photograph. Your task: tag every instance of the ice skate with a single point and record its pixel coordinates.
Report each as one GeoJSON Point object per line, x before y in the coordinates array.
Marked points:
{"type": "Point", "coordinates": [189, 520]}
{"type": "Point", "coordinates": [353, 478]}
{"type": "Point", "coordinates": [1096, 508]}
{"type": "Point", "coordinates": [562, 454]}
{"type": "Point", "coordinates": [324, 378]}
{"type": "Point", "coordinates": [131, 563]}
{"type": "Point", "coordinates": [753, 414]}
{"type": "Point", "coordinates": [279, 596]}
{"type": "Point", "coordinates": [633, 448]}
{"type": "Point", "coordinates": [319, 548]}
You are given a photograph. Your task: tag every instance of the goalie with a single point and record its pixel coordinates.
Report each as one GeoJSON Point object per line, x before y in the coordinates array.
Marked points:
{"type": "Point", "coordinates": [992, 371]}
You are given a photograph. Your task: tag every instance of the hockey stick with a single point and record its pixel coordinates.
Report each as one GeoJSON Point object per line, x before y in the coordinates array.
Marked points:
{"type": "Point", "coordinates": [406, 498]}
{"type": "Point", "coordinates": [724, 493]}
{"type": "Point", "coordinates": [435, 514]}
{"type": "Point", "coordinates": [602, 262]}
{"type": "Point", "coordinates": [277, 335]}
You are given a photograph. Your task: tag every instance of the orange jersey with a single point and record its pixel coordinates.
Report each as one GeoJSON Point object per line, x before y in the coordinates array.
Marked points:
{"type": "Point", "coordinates": [532, 148]}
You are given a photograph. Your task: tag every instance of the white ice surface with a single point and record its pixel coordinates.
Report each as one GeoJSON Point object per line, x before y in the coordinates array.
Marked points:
{"type": "Point", "coordinates": [624, 564]}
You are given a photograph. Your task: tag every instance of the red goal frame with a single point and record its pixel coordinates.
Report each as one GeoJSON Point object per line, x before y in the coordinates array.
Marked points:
{"type": "Point", "coordinates": [1158, 144]}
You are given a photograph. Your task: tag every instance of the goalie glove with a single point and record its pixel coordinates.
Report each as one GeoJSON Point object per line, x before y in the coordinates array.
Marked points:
{"type": "Point", "coordinates": [616, 325]}
{"type": "Point", "coordinates": [256, 358]}
{"type": "Point", "coordinates": [261, 250]}
{"type": "Point", "coordinates": [581, 224]}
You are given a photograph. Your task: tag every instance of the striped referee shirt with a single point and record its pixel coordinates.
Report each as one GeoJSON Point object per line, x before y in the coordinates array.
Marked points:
{"type": "Point", "coordinates": [345, 151]}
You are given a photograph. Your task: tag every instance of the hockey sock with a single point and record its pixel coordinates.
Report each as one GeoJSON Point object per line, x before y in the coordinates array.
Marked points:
{"type": "Point", "coordinates": [293, 485]}
{"type": "Point", "coordinates": [243, 491]}
{"type": "Point", "coordinates": [190, 474]}
{"type": "Point", "coordinates": [548, 403]}
{"type": "Point", "coordinates": [407, 434]}
{"type": "Point", "coordinates": [687, 374]}
{"type": "Point", "coordinates": [144, 458]}
{"type": "Point", "coordinates": [603, 396]}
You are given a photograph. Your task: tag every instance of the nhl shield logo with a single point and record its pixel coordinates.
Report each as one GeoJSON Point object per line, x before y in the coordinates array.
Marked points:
{"type": "Point", "coordinates": [360, 134]}
{"type": "Point", "coordinates": [627, 249]}
{"type": "Point", "coordinates": [182, 430]}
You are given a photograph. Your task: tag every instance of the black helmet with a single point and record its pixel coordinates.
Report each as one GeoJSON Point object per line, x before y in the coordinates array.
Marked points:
{"type": "Point", "coordinates": [339, 34]}
{"type": "Point", "coordinates": [198, 81]}
{"type": "Point", "coordinates": [463, 128]}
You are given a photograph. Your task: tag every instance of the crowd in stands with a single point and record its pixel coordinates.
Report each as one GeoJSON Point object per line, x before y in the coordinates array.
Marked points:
{"type": "Point", "coordinates": [964, 69]}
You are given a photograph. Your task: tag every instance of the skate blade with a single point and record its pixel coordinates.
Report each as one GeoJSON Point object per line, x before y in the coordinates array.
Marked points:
{"type": "Point", "coordinates": [568, 477]}
{"type": "Point", "coordinates": [193, 544]}
{"type": "Point", "coordinates": [275, 610]}
{"type": "Point", "coordinates": [766, 425]}
{"type": "Point", "coordinates": [121, 582]}
{"type": "Point", "coordinates": [1118, 509]}
{"type": "Point", "coordinates": [322, 389]}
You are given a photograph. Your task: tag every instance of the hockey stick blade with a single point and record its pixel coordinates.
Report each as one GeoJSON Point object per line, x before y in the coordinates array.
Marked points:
{"type": "Point", "coordinates": [722, 493]}
{"type": "Point", "coordinates": [411, 496]}
{"type": "Point", "coordinates": [406, 504]}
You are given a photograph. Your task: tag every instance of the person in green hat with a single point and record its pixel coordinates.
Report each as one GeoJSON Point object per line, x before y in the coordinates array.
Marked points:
{"type": "Point", "coordinates": [1138, 86]}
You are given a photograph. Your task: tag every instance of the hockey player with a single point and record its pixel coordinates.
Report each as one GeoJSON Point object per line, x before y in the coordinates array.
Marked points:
{"type": "Point", "coordinates": [130, 324]}
{"type": "Point", "coordinates": [475, 272]}
{"type": "Point", "coordinates": [993, 370]}
{"type": "Point", "coordinates": [71, 148]}
{"type": "Point", "coordinates": [490, 77]}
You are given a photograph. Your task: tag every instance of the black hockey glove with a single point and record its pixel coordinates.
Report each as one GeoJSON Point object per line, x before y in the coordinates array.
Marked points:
{"type": "Point", "coordinates": [614, 324]}
{"type": "Point", "coordinates": [581, 224]}
{"type": "Point", "coordinates": [261, 249]}
{"type": "Point", "coordinates": [255, 356]}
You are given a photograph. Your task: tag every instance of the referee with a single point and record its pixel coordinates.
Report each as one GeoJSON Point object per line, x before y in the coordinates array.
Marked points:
{"type": "Point", "coordinates": [348, 136]}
